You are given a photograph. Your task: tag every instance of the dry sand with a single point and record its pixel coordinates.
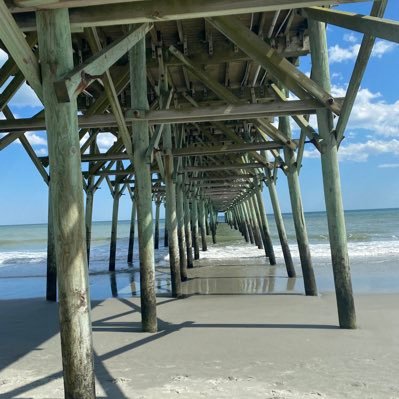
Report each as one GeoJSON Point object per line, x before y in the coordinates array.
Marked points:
{"type": "Point", "coordinates": [219, 346]}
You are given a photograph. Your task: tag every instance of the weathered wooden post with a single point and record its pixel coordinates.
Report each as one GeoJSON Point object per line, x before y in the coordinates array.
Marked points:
{"type": "Point", "coordinates": [51, 283]}
{"type": "Point", "coordinates": [165, 230]}
{"type": "Point", "coordinates": [207, 227]}
{"type": "Point", "coordinates": [56, 60]}
{"type": "Point", "coordinates": [156, 234]}
{"type": "Point", "coordinates": [201, 207]}
{"type": "Point", "coordinates": [297, 212]}
{"type": "Point", "coordinates": [262, 230]}
{"type": "Point", "coordinates": [170, 216]}
{"type": "Point", "coordinates": [89, 218]}
{"type": "Point", "coordinates": [332, 182]}
{"type": "Point", "coordinates": [90, 190]}
{"type": "Point", "coordinates": [143, 187]}
{"type": "Point", "coordinates": [114, 228]}
{"type": "Point", "coordinates": [254, 221]}
{"type": "Point", "coordinates": [248, 222]}
{"type": "Point", "coordinates": [212, 223]}
{"type": "Point", "coordinates": [243, 222]}
{"type": "Point", "coordinates": [132, 229]}
{"type": "Point", "coordinates": [265, 226]}
{"type": "Point", "coordinates": [278, 217]}
{"type": "Point", "coordinates": [180, 227]}
{"type": "Point", "coordinates": [194, 226]}
{"type": "Point", "coordinates": [187, 232]}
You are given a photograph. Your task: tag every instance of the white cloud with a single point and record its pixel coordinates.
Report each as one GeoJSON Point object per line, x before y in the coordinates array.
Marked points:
{"type": "Point", "coordinates": [41, 152]}
{"type": "Point", "coordinates": [350, 37]}
{"type": "Point", "coordinates": [389, 165]}
{"type": "Point", "coordinates": [341, 54]}
{"type": "Point", "coordinates": [360, 152]}
{"type": "Point", "coordinates": [105, 141]}
{"type": "Point", "coordinates": [381, 47]}
{"type": "Point", "coordinates": [25, 97]}
{"type": "Point", "coordinates": [35, 139]}
{"type": "Point", "coordinates": [337, 53]}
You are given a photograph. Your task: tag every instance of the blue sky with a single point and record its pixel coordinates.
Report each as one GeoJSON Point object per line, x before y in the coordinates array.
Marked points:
{"type": "Point", "coordinates": [369, 155]}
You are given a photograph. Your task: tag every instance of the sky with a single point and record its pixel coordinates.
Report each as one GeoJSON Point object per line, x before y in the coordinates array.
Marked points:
{"type": "Point", "coordinates": [369, 155]}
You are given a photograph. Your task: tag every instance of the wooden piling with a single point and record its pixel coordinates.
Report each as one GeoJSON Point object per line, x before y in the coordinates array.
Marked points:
{"type": "Point", "coordinates": [201, 208]}
{"type": "Point", "coordinates": [278, 217]}
{"type": "Point", "coordinates": [156, 233]}
{"type": "Point", "coordinates": [255, 222]}
{"type": "Point", "coordinates": [194, 227]}
{"type": "Point", "coordinates": [132, 231]}
{"type": "Point", "coordinates": [332, 182]}
{"type": "Point", "coordinates": [187, 232]}
{"type": "Point", "coordinates": [248, 222]}
{"type": "Point", "coordinates": [143, 187]}
{"type": "Point", "coordinates": [180, 227]}
{"type": "Point", "coordinates": [207, 226]}
{"type": "Point", "coordinates": [297, 212]}
{"type": "Point", "coordinates": [56, 60]}
{"type": "Point", "coordinates": [265, 227]}
{"type": "Point", "coordinates": [114, 229]}
{"type": "Point", "coordinates": [51, 276]}
{"type": "Point", "coordinates": [89, 219]}
{"type": "Point", "coordinates": [165, 231]}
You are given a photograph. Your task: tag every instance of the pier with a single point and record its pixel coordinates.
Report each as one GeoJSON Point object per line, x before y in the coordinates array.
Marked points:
{"type": "Point", "coordinates": [200, 97]}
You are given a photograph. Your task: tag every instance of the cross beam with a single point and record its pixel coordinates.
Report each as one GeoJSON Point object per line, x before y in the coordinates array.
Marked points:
{"type": "Point", "coordinates": [166, 10]}
{"type": "Point", "coordinates": [205, 114]}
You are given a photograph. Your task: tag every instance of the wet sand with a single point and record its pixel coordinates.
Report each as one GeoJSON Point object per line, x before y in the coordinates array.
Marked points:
{"type": "Point", "coordinates": [215, 346]}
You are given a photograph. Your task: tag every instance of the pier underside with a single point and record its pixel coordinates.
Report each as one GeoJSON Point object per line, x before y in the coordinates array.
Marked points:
{"type": "Point", "coordinates": [200, 98]}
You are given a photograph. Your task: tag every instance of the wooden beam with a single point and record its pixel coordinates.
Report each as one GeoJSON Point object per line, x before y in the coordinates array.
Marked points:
{"type": "Point", "coordinates": [370, 25]}
{"type": "Point", "coordinates": [167, 10]}
{"type": "Point", "coordinates": [21, 52]}
{"type": "Point", "coordinates": [224, 149]}
{"type": "Point", "coordinates": [233, 166]}
{"type": "Point", "coordinates": [265, 55]}
{"type": "Point", "coordinates": [79, 78]}
{"type": "Point", "coordinates": [194, 115]}
{"type": "Point", "coordinates": [95, 44]}
{"type": "Point", "coordinates": [54, 4]}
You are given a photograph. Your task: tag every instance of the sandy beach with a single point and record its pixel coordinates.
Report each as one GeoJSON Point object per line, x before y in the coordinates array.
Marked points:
{"type": "Point", "coordinates": [216, 346]}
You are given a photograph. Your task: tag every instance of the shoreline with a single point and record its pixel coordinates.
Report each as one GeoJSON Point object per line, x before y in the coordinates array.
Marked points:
{"type": "Point", "coordinates": [249, 276]}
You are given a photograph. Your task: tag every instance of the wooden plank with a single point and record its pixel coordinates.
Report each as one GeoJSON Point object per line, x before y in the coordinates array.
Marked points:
{"type": "Point", "coordinates": [370, 25]}
{"type": "Point", "coordinates": [75, 81]}
{"type": "Point", "coordinates": [20, 50]}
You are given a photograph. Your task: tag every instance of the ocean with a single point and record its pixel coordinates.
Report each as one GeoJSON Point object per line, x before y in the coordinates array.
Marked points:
{"type": "Point", "coordinates": [373, 243]}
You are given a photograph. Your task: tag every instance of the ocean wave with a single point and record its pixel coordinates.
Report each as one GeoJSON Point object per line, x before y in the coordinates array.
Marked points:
{"type": "Point", "coordinates": [15, 258]}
